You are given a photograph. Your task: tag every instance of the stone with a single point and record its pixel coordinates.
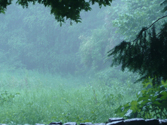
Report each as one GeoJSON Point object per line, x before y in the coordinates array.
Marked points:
{"type": "Point", "coordinates": [152, 122]}
{"type": "Point", "coordinates": [86, 123]}
{"type": "Point", "coordinates": [115, 119]}
{"type": "Point", "coordinates": [163, 121]}
{"type": "Point", "coordinates": [135, 121]}
{"type": "Point", "coordinates": [70, 123]}
{"type": "Point", "coordinates": [56, 123]}
{"type": "Point", "coordinates": [116, 123]}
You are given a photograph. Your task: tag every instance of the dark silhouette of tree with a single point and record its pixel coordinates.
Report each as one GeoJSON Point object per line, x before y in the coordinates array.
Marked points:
{"type": "Point", "coordinates": [69, 9]}
{"type": "Point", "coordinates": [146, 55]}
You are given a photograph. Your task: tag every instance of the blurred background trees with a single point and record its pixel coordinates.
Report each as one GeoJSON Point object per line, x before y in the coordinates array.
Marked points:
{"type": "Point", "coordinates": [37, 42]}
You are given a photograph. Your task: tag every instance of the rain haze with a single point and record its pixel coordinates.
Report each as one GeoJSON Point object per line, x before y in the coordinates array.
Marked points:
{"type": "Point", "coordinates": [61, 72]}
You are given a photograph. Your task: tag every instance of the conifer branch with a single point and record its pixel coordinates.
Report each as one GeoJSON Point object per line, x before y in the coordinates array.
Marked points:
{"type": "Point", "coordinates": [157, 21]}
{"type": "Point", "coordinates": [146, 28]}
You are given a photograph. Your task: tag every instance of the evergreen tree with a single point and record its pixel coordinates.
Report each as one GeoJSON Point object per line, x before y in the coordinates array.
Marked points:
{"type": "Point", "coordinates": [146, 55]}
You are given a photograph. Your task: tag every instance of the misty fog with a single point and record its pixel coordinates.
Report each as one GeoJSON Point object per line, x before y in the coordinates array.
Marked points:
{"type": "Point", "coordinates": [62, 73]}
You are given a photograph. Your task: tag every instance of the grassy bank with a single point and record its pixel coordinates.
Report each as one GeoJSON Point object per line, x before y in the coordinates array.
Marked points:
{"type": "Point", "coordinates": [32, 97]}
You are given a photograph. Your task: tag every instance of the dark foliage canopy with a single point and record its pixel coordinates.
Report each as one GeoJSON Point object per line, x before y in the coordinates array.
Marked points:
{"type": "Point", "coordinates": [147, 54]}
{"type": "Point", "coordinates": [69, 9]}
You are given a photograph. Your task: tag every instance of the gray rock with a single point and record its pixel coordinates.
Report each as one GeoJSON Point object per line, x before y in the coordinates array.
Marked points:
{"type": "Point", "coordinates": [115, 119]}
{"type": "Point", "coordinates": [135, 121]}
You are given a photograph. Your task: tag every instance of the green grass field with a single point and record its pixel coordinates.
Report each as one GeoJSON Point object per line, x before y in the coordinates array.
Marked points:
{"type": "Point", "coordinates": [32, 97]}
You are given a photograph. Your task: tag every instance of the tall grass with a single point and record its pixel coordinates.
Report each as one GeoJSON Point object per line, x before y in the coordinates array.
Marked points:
{"type": "Point", "coordinates": [32, 97]}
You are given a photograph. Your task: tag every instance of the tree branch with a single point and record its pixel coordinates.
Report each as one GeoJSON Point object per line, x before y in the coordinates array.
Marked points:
{"type": "Point", "coordinates": [146, 28]}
